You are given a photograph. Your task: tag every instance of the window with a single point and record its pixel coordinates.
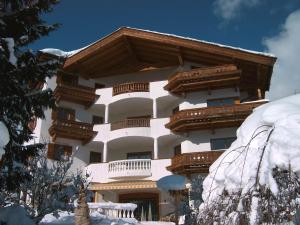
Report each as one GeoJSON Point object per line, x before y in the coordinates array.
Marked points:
{"type": "Point", "coordinates": [175, 110]}
{"type": "Point", "coordinates": [99, 86]}
{"type": "Point", "coordinates": [97, 120]}
{"type": "Point", "coordinates": [139, 155]}
{"type": "Point", "coordinates": [64, 114]}
{"type": "Point", "coordinates": [177, 150]}
{"type": "Point", "coordinates": [59, 152]}
{"type": "Point", "coordinates": [68, 79]}
{"type": "Point", "coordinates": [221, 143]}
{"type": "Point", "coordinates": [95, 157]}
{"type": "Point", "coordinates": [221, 101]}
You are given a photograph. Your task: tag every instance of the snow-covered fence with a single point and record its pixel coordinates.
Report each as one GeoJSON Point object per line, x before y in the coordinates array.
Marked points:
{"type": "Point", "coordinates": [116, 210]}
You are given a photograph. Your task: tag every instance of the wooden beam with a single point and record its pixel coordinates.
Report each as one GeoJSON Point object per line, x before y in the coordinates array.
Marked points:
{"type": "Point", "coordinates": [180, 58]}
{"type": "Point", "coordinates": [130, 50]}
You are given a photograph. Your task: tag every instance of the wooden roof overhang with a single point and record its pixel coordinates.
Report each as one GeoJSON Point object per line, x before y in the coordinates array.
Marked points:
{"type": "Point", "coordinates": [129, 50]}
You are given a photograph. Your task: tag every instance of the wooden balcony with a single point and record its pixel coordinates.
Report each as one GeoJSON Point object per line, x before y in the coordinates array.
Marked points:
{"type": "Point", "coordinates": [75, 93]}
{"type": "Point", "coordinates": [130, 87]}
{"type": "Point", "coordinates": [196, 162]}
{"type": "Point", "coordinates": [211, 117]}
{"type": "Point", "coordinates": [129, 123]}
{"type": "Point", "coordinates": [72, 130]}
{"type": "Point", "coordinates": [204, 79]}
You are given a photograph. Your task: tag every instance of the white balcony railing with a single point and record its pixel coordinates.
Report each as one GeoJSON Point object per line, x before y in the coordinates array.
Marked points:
{"type": "Point", "coordinates": [129, 168]}
{"type": "Point", "coordinates": [116, 210]}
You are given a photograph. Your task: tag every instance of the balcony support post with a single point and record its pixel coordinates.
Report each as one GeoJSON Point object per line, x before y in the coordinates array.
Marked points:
{"type": "Point", "coordinates": [106, 119]}
{"type": "Point", "coordinates": [105, 152]}
{"type": "Point", "coordinates": [154, 108]}
{"type": "Point", "coordinates": [155, 155]}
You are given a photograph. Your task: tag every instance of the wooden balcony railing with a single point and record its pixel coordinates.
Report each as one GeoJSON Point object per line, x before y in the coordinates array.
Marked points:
{"type": "Point", "coordinates": [211, 117]}
{"type": "Point", "coordinates": [128, 123]}
{"type": "Point", "coordinates": [196, 162]}
{"type": "Point", "coordinates": [204, 78]}
{"type": "Point", "coordinates": [72, 130]}
{"type": "Point", "coordinates": [131, 87]}
{"type": "Point", "coordinates": [75, 93]}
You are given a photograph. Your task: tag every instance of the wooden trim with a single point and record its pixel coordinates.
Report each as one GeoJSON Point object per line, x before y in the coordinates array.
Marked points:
{"type": "Point", "coordinates": [128, 123]}
{"type": "Point", "coordinates": [211, 117]}
{"type": "Point", "coordinates": [52, 147]}
{"type": "Point", "coordinates": [195, 162]}
{"type": "Point", "coordinates": [123, 185]}
{"type": "Point", "coordinates": [204, 78]}
{"type": "Point", "coordinates": [130, 87]}
{"type": "Point", "coordinates": [169, 41]}
{"type": "Point", "coordinates": [72, 130]}
{"type": "Point", "coordinates": [75, 93]}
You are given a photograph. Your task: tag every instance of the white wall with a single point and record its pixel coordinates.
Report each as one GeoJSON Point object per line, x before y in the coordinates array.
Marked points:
{"type": "Point", "coordinates": [197, 141]}
{"type": "Point", "coordinates": [199, 99]}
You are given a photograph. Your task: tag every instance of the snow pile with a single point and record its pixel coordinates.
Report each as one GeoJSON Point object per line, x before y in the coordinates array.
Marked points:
{"type": "Point", "coordinates": [269, 138]}
{"type": "Point", "coordinates": [14, 215]}
{"type": "Point", "coordinates": [65, 218]}
{"type": "Point", "coordinates": [4, 138]}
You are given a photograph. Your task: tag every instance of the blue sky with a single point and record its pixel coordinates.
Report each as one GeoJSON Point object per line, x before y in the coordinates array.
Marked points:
{"type": "Point", "coordinates": [83, 22]}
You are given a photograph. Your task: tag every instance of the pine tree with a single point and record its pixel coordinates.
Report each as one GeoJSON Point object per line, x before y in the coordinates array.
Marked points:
{"type": "Point", "coordinates": [22, 74]}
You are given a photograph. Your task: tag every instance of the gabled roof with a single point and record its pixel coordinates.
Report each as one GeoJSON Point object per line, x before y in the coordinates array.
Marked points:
{"type": "Point", "coordinates": [129, 50]}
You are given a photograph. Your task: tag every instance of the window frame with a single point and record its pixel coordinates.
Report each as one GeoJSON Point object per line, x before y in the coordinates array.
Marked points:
{"type": "Point", "coordinates": [97, 155]}
{"type": "Point", "coordinates": [140, 154]}
{"type": "Point", "coordinates": [230, 139]}
{"type": "Point", "coordinates": [236, 100]}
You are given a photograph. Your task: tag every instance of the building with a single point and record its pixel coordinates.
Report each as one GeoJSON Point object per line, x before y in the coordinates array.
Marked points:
{"type": "Point", "coordinates": [142, 105]}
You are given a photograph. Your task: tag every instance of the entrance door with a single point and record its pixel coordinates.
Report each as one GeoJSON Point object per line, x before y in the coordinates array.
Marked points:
{"type": "Point", "coordinates": [147, 205]}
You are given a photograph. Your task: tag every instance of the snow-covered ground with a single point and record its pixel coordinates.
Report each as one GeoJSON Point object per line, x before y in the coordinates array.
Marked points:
{"type": "Point", "coordinates": [66, 218]}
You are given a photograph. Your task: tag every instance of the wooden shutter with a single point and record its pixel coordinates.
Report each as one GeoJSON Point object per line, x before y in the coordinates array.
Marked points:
{"type": "Point", "coordinates": [54, 114]}
{"type": "Point", "coordinates": [54, 147]}
{"type": "Point", "coordinates": [68, 150]}
{"type": "Point", "coordinates": [50, 151]}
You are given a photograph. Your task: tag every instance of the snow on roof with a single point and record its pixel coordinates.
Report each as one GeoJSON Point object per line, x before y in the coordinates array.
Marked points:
{"type": "Point", "coordinates": [206, 42]}
{"type": "Point", "coordinates": [60, 53]}
{"type": "Point", "coordinates": [65, 54]}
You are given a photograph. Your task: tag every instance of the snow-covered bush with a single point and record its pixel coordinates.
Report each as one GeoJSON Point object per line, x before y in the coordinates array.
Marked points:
{"type": "Point", "coordinates": [51, 187]}
{"type": "Point", "coordinates": [257, 180]}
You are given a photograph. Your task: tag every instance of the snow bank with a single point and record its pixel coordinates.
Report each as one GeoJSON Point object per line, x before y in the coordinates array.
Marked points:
{"type": "Point", "coordinates": [65, 218]}
{"type": "Point", "coordinates": [236, 168]}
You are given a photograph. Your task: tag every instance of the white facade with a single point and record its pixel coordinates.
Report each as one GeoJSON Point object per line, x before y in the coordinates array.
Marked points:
{"type": "Point", "coordinates": [115, 145]}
